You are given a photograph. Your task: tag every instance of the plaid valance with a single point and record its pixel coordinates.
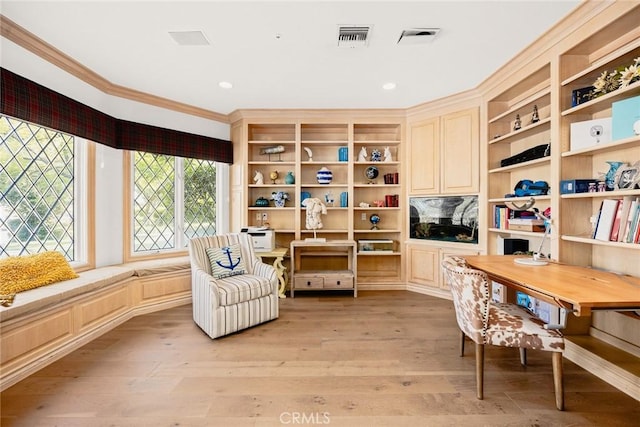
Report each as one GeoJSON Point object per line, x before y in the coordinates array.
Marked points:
{"type": "Point", "coordinates": [26, 100]}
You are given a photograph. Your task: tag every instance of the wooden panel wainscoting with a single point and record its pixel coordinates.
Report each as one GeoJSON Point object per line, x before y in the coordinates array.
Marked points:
{"type": "Point", "coordinates": [32, 341]}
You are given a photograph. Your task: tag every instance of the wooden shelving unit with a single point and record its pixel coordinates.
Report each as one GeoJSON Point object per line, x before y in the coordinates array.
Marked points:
{"type": "Point", "coordinates": [312, 141]}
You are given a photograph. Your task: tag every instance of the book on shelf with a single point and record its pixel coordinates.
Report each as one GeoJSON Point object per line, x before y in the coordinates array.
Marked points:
{"type": "Point", "coordinates": [608, 210]}
{"type": "Point", "coordinates": [615, 227]}
{"type": "Point", "coordinates": [501, 214]}
{"type": "Point", "coordinates": [625, 208]}
{"type": "Point", "coordinates": [632, 229]}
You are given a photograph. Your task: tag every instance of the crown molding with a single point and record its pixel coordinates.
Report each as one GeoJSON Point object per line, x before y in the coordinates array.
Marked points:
{"type": "Point", "coordinates": [29, 41]}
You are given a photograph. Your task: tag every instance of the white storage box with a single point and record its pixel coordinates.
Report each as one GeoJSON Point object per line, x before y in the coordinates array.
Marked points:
{"type": "Point", "coordinates": [589, 133]}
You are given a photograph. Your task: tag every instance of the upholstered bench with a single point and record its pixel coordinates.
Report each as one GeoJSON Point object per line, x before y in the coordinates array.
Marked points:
{"type": "Point", "coordinates": [46, 323]}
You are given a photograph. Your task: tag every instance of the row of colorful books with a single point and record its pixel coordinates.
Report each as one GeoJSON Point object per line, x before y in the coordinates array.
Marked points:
{"type": "Point", "coordinates": [507, 219]}
{"type": "Point", "coordinates": [619, 220]}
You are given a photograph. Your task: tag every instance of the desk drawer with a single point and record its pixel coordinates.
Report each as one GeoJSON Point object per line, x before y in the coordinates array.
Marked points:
{"type": "Point", "coordinates": [309, 282]}
{"type": "Point", "coordinates": [338, 282]}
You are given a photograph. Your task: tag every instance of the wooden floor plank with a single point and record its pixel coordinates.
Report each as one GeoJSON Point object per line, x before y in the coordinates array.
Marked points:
{"type": "Point", "coordinates": [382, 359]}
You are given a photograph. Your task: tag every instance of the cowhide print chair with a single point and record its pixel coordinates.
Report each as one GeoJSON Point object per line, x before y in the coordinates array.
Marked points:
{"type": "Point", "coordinates": [231, 288]}
{"type": "Point", "coordinates": [505, 325]}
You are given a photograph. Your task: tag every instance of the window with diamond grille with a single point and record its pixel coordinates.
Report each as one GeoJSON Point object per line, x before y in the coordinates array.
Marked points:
{"type": "Point", "coordinates": [37, 187]}
{"type": "Point", "coordinates": [174, 199]}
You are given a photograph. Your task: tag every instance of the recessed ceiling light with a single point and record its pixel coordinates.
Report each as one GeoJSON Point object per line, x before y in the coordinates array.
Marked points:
{"type": "Point", "coordinates": [389, 86]}
{"type": "Point", "coordinates": [225, 85]}
{"type": "Point", "coordinates": [189, 38]}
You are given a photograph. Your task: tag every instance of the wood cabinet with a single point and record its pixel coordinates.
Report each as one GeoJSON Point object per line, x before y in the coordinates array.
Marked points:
{"type": "Point", "coordinates": [424, 273]}
{"type": "Point", "coordinates": [330, 265]}
{"type": "Point", "coordinates": [443, 153]}
{"type": "Point", "coordinates": [360, 188]}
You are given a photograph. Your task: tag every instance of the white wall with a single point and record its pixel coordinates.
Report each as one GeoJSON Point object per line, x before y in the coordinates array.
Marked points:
{"type": "Point", "coordinates": [109, 162]}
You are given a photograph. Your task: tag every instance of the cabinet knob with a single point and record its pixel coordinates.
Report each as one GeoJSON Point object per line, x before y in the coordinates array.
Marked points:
{"type": "Point", "coordinates": [308, 283]}
{"type": "Point", "coordinates": [338, 283]}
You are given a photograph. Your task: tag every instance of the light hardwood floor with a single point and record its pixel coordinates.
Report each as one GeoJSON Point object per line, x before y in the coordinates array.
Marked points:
{"type": "Point", "coordinates": [383, 359]}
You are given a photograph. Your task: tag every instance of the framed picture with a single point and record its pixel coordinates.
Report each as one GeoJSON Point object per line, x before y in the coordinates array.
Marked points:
{"type": "Point", "coordinates": [447, 218]}
{"type": "Point", "coordinates": [628, 177]}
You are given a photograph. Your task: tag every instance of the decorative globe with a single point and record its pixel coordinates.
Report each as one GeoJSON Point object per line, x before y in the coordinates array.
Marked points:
{"type": "Point", "coordinates": [374, 219]}
{"type": "Point", "coordinates": [371, 172]}
{"type": "Point", "coordinates": [324, 176]}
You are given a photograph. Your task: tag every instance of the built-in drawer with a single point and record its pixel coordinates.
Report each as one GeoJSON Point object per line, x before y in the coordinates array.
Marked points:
{"type": "Point", "coordinates": [338, 282]}
{"type": "Point", "coordinates": [309, 282]}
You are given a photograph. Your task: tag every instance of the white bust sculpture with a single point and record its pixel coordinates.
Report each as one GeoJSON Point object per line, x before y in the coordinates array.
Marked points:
{"type": "Point", "coordinates": [315, 207]}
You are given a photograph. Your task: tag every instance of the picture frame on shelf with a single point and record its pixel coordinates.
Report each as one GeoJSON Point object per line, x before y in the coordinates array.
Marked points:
{"type": "Point", "coordinates": [628, 177]}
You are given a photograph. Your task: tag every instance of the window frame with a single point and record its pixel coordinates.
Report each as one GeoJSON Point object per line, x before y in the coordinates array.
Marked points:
{"type": "Point", "coordinates": [222, 192]}
{"type": "Point", "coordinates": [83, 198]}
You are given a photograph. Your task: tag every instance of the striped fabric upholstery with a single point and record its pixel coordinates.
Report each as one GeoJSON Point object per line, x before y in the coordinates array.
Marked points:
{"type": "Point", "coordinates": [224, 306]}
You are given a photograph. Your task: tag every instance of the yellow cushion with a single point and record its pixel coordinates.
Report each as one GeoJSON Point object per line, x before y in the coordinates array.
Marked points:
{"type": "Point", "coordinates": [22, 273]}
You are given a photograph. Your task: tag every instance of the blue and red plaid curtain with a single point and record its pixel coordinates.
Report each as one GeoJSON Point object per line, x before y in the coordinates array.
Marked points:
{"type": "Point", "coordinates": [26, 100]}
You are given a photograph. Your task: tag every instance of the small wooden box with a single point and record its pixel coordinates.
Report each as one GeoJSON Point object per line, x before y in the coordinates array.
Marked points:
{"type": "Point", "coordinates": [534, 225]}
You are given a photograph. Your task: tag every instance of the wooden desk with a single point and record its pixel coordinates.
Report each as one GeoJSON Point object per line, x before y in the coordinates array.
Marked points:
{"type": "Point", "coordinates": [278, 255]}
{"type": "Point", "coordinates": [577, 289]}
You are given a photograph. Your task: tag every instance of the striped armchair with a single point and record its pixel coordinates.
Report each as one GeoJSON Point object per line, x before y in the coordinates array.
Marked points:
{"type": "Point", "coordinates": [222, 306]}
{"type": "Point", "coordinates": [498, 324]}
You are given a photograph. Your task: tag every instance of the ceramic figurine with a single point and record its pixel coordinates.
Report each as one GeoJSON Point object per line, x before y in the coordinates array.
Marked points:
{"type": "Point", "coordinates": [518, 123]}
{"type": "Point", "coordinates": [258, 178]}
{"type": "Point", "coordinates": [387, 155]}
{"type": "Point", "coordinates": [362, 156]}
{"type": "Point", "coordinates": [535, 117]}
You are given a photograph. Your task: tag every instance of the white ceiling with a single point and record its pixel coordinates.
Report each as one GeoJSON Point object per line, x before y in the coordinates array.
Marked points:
{"type": "Point", "coordinates": [129, 44]}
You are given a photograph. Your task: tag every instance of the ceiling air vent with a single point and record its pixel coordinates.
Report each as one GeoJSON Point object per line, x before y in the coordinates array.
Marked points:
{"type": "Point", "coordinates": [418, 35]}
{"type": "Point", "coordinates": [353, 36]}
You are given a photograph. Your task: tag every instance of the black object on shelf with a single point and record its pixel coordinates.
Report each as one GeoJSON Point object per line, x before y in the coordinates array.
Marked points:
{"type": "Point", "coordinates": [537, 152]}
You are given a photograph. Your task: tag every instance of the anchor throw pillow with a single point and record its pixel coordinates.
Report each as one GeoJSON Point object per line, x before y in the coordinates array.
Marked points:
{"type": "Point", "coordinates": [226, 261]}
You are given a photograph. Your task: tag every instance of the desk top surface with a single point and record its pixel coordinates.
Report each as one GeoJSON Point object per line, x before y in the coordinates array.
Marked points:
{"type": "Point", "coordinates": [581, 288]}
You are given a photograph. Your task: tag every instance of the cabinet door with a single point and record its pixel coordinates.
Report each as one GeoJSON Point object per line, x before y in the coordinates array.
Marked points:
{"type": "Point", "coordinates": [424, 157]}
{"type": "Point", "coordinates": [460, 152]}
{"type": "Point", "coordinates": [453, 252]}
{"type": "Point", "coordinates": [423, 265]}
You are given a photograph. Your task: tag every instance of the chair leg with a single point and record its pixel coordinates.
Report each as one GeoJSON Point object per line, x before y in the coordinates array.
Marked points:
{"type": "Point", "coordinates": [557, 379]}
{"type": "Point", "coordinates": [479, 370]}
{"type": "Point", "coordinates": [523, 356]}
{"type": "Point", "coordinates": [462, 337]}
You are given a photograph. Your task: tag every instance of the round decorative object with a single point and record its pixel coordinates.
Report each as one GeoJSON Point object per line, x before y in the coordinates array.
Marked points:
{"type": "Point", "coordinates": [261, 202]}
{"type": "Point", "coordinates": [289, 178]}
{"type": "Point", "coordinates": [324, 176]}
{"type": "Point", "coordinates": [374, 219]}
{"type": "Point", "coordinates": [274, 175]}
{"type": "Point", "coordinates": [371, 172]}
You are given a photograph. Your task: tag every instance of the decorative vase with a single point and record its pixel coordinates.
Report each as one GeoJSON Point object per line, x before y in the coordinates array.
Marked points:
{"type": "Point", "coordinates": [289, 178]}
{"type": "Point", "coordinates": [610, 177]}
{"type": "Point", "coordinates": [324, 176]}
{"type": "Point", "coordinates": [279, 203]}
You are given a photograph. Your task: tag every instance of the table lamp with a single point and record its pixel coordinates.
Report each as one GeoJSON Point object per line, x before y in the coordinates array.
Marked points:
{"type": "Point", "coordinates": [538, 257]}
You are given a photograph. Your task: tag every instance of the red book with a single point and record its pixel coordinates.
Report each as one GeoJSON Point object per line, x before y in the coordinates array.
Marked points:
{"type": "Point", "coordinates": [615, 228]}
